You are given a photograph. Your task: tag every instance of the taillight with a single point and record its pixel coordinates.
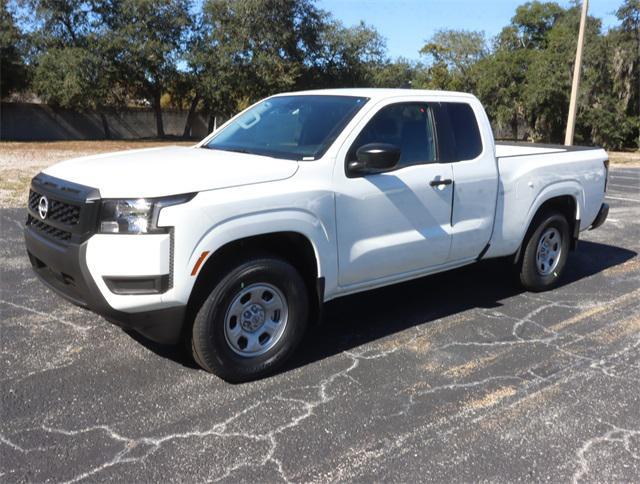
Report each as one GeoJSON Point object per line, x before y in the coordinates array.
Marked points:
{"type": "Point", "coordinates": [606, 174]}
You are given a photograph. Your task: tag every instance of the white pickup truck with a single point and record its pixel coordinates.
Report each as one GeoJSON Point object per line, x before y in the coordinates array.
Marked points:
{"type": "Point", "coordinates": [234, 244]}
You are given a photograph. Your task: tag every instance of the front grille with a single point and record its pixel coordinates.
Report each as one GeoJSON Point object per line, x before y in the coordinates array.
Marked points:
{"type": "Point", "coordinates": [65, 213]}
{"type": "Point", "coordinates": [47, 229]}
{"type": "Point", "coordinates": [72, 209]}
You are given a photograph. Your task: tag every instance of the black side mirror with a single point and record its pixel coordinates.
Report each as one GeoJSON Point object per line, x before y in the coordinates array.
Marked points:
{"type": "Point", "coordinates": [374, 158]}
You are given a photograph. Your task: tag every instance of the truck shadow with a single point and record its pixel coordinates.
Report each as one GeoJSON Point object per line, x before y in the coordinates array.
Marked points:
{"type": "Point", "coordinates": [356, 320]}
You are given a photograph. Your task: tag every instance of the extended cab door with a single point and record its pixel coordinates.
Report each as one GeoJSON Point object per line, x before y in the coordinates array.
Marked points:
{"type": "Point", "coordinates": [395, 223]}
{"type": "Point", "coordinates": [465, 141]}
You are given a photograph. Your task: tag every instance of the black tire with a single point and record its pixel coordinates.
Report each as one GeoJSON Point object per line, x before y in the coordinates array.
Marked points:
{"type": "Point", "coordinates": [532, 276]}
{"type": "Point", "coordinates": [210, 346]}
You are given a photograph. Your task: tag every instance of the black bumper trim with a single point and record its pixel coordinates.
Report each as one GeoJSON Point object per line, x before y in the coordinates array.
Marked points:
{"type": "Point", "coordinates": [576, 235]}
{"type": "Point", "coordinates": [601, 217]}
{"type": "Point", "coordinates": [62, 268]}
{"type": "Point", "coordinates": [136, 285]}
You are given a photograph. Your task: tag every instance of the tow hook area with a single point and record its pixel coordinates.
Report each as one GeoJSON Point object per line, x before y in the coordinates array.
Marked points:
{"type": "Point", "coordinates": [601, 217]}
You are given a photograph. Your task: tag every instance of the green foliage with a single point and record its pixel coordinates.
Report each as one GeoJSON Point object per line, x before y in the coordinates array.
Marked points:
{"type": "Point", "coordinates": [70, 67]}
{"type": "Point", "coordinates": [457, 49]}
{"type": "Point", "coordinates": [97, 53]}
{"type": "Point", "coordinates": [222, 55]}
{"type": "Point", "coordinates": [347, 57]}
{"type": "Point", "coordinates": [247, 50]}
{"type": "Point", "coordinates": [393, 74]}
{"type": "Point", "coordinates": [533, 21]}
{"type": "Point", "coordinates": [145, 39]}
{"type": "Point", "coordinates": [451, 55]}
{"type": "Point", "coordinates": [524, 80]}
{"type": "Point", "coordinates": [500, 80]}
{"type": "Point", "coordinates": [13, 71]}
{"type": "Point", "coordinates": [62, 23]}
{"type": "Point", "coordinates": [625, 44]}
{"type": "Point", "coordinates": [72, 77]}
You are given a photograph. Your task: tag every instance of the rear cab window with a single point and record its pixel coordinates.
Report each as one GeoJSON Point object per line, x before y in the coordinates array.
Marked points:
{"type": "Point", "coordinates": [457, 132]}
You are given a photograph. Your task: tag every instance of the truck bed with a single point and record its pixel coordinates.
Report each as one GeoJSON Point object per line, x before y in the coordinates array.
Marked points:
{"type": "Point", "coordinates": [509, 149]}
{"type": "Point", "coordinates": [531, 173]}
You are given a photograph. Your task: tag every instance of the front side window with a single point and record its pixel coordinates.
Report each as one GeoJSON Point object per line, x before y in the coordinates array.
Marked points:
{"type": "Point", "coordinates": [409, 126]}
{"type": "Point", "coordinates": [289, 127]}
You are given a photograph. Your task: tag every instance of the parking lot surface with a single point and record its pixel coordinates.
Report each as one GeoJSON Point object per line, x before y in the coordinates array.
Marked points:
{"type": "Point", "coordinates": [455, 377]}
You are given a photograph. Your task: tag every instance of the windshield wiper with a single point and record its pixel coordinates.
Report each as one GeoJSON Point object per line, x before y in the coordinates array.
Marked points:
{"type": "Point", "coordinates": [234, 150]}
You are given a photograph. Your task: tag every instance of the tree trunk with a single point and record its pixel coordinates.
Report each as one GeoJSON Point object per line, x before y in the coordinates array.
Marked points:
{"type": "Point", "coordinates": [514, 127]}
{"type": "Point", "coordinates": [192, 111]}
{"type": "Point", "coordinates": [158, 112]}
{"type": "Point", "coordinates": [212, 122]}
{"type": "Point", "coordinates": [105, 125]}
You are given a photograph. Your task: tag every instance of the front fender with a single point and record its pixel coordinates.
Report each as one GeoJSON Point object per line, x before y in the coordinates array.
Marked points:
{"type": "Point", "coordinates": [265, 222]}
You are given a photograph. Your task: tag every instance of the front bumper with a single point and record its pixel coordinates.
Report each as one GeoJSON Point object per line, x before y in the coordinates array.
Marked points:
{"type": "Point", "coordinates": [64, 270]}
{"type": "Point", "coordinates": [60, 261]}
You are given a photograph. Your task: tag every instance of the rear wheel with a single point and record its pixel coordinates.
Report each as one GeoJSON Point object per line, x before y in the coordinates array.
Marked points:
{"type": "Point", "coordinates": [252, 321]}
{"type": "Point", "coordinates": [545, 253]}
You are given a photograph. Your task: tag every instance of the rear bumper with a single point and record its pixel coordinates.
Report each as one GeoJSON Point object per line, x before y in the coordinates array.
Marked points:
{"type": "Point", "coordinates": [63, 268]}
{"type": "Point", "coordinates": [601, 217]}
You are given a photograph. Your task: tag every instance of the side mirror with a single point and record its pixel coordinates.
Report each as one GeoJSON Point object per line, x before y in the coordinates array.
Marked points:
{"type": "Point", "coordinates": [374, 158]}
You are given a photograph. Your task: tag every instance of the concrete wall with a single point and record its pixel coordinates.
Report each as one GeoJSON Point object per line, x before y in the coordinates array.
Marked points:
{"type": "Point", "coordinates": [39, 122]}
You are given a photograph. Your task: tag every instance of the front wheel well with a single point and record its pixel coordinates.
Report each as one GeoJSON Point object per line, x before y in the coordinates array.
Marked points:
{"type": "Point", "coordinates": [293, 247]}
{"type": "Point", "coordinates": [567, 206]}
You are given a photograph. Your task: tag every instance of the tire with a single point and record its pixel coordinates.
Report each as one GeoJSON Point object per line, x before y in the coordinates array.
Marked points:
{"type": "Point", "coordinates": [543, 263]}
{"type": "Point", "coordinates": [277, 306]}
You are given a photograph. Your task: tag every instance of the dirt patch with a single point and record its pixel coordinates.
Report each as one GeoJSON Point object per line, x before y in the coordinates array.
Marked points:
{"type": "Point", "coordinates": [20, 161]}
{"type": "Point", "coordinates": [619, 331]}
{"type": "Point", "coordinates": [628, 158]}
{"type": "Point", "coordinates": [632, 265]}
{"type": "Point", "coordinates": [432, 366]}
{"type": "Point", "coordinates": [491, 398]}
{"type": "Point", "coordinates": [469, 367]}
{"type": "Point", "coordinates": [421, 344]}
{"type": "Point", "coordinates": [593, 311]}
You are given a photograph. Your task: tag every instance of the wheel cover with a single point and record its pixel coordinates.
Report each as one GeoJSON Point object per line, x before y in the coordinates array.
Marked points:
{"type": "Point", "coordinates": [256, 319]}
{"type": "Point", "coordinates": [549, 251]}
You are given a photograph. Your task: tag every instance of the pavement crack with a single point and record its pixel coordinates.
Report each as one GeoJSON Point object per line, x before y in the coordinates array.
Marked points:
{"type": "Point", "coordinates": [64, 322]}
{"type": "Point", "coordinates": [5, 440]}
{"type": "Point", "coordinates": [221, 429]}
{"type": "Point", "coordinates": [615, 435]}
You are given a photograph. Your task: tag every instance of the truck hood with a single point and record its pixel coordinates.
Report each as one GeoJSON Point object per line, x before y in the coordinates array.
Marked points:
{"type": "Point", "coordinates": [157, 172]}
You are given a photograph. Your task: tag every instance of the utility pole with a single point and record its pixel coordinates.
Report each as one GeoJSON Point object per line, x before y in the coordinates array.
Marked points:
{"type": "Point", "coordinates": [573, 104]}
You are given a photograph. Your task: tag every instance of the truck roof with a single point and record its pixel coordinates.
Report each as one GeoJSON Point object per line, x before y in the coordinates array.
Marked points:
{"type": "Point", "coordinates": [377, 93]}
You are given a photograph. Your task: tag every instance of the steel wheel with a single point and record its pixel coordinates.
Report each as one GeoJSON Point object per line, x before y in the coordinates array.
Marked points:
{"type": "Point", "coordinates": [255, 319]}
{"type": "Point", "coordinates": [549, 251]}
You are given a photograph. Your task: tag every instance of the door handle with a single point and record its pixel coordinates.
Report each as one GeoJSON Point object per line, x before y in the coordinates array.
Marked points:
{"type": "Point", "coordinates": [437, 182]}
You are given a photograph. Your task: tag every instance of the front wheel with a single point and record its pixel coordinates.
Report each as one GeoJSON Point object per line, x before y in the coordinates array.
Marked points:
{"type": "Point", "coordinates": [545, 253]}
{"type": "Point", "coordinates": [252, 320]}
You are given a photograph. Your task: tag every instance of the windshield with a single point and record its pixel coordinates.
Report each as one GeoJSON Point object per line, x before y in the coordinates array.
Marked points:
{"type": "Point", "coordinates": [289, 127]}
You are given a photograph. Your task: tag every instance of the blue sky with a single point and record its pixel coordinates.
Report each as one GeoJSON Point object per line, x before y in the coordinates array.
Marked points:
{"type": "Point", "coordinates": [406, 24]}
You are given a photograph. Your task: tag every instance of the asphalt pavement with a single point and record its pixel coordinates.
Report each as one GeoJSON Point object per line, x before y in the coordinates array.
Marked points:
{"type": "Point", "coordinates": [455, 377]}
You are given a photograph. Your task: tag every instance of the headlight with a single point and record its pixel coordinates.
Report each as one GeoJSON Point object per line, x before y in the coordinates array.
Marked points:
{"type": "Point", "coordinates": [136, 215]}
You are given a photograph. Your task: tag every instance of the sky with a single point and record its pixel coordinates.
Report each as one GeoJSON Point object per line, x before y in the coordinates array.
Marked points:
{"type": "Point", "coordinates": [407, 24]}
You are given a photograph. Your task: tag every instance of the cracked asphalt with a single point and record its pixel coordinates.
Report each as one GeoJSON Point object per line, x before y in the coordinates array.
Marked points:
{"type": "Point", "coordinates": [455, 377]}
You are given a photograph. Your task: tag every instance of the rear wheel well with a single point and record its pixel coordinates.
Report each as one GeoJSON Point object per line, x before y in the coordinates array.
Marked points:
{"type": "Point", "coordinates": [564, 204]}
{"type": "Point", "coordinates": [293, 247]}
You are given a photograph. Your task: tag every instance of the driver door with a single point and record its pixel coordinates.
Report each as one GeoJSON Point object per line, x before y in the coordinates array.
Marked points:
{"type": "Point", "coordinates": [394, 224]}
